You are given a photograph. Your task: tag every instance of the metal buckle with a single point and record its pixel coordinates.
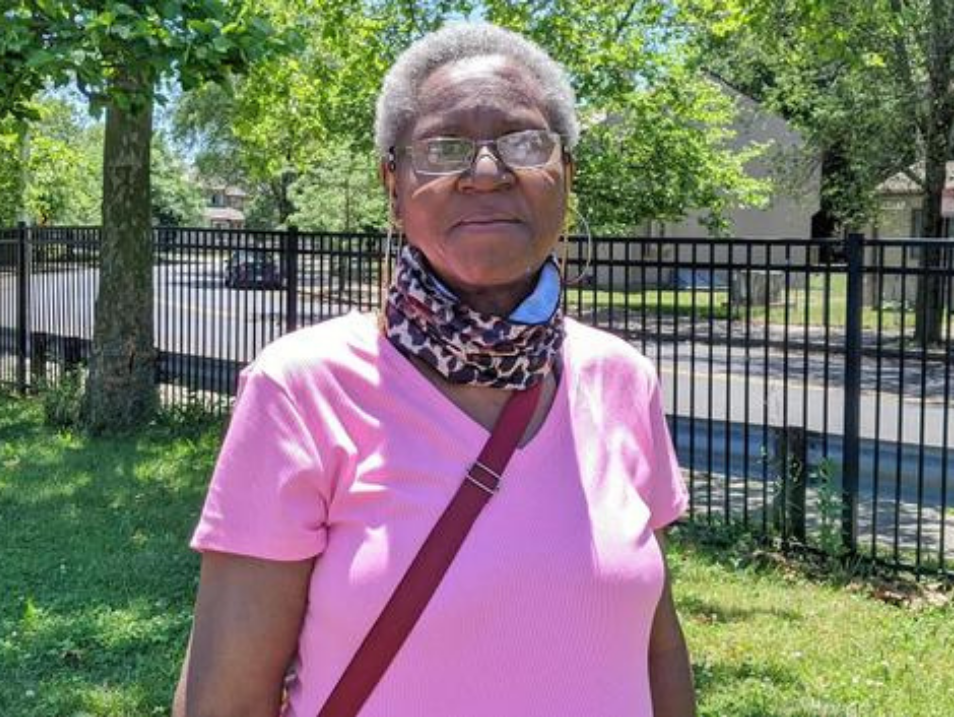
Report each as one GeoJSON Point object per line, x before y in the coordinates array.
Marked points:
{"type": "Point", "coordinates": [487, 489]}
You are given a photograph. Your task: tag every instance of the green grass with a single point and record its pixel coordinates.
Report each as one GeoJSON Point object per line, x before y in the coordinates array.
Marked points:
{"type": "Point", "coordinates": [766, 640]}
{"type": "Point", "coordinates": [96, 581]}
{"type": "Point", "coordinates": [97, 584]}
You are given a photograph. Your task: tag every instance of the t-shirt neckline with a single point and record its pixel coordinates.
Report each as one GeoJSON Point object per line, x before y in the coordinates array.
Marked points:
{"type": "Point", "coordinates": [452, 414]}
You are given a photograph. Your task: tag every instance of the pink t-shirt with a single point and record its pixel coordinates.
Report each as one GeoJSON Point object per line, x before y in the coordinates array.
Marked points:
{"type": "Point", "coordinates": [339, 447]}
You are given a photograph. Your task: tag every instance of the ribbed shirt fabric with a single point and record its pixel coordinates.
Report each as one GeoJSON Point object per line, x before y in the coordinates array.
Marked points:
{"type": "Point", "coordinates": [339, 448]}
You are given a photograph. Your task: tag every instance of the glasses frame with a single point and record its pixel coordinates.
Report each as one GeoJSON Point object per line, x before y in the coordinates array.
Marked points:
{"type": "Point", "coordinates": [408, 150]}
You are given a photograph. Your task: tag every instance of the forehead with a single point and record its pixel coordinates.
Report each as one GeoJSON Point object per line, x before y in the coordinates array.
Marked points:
{"type": "Point", "coordinates": [478, 95]}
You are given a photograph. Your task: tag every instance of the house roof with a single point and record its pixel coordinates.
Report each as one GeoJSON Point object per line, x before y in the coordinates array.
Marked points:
{"type": "Point", "coordinates": [217, 185]}
{"type": "Point", "coordinates": [901, 183]}
{"type": "Point", "coordinates": [223, 214]}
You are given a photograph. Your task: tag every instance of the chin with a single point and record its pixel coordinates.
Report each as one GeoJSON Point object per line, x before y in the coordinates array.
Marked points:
{"type": "Point", "coordinates": [490, 238]}
{"type": "Point", "coordinates": [476, 276]}
{"type": "Point", "coordinates": [507, 244]}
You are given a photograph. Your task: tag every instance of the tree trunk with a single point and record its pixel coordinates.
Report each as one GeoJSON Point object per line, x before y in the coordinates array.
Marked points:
{"type": "Point", "coordinates": [937, 126]}
{"type": "Point", "coordinates": [121, 392]}
{"type": "Point", "coordinates": [929, 309]}
{"type": "Point", "coordinates": [285, 206]}
{"type": "Point", "coordinates": [24, 211]}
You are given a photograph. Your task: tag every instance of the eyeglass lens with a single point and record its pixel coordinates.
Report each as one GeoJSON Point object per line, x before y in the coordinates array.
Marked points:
{"type": "Point", "coordinates": [518, 150]}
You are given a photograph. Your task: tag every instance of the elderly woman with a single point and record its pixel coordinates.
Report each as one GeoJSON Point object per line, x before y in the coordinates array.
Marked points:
{"type": "Point", "coordinates": [350, 439]}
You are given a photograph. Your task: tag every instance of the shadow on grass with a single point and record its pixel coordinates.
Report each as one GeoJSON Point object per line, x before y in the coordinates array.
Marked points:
{"type": "Point", "coordinates": [19, 420]}
{"type": "Point", "coordinates": [97, 577]}
{"type": "Point", "coordinates": [711, 612]}
{"type": "Point", "coordinates": [716, 679]}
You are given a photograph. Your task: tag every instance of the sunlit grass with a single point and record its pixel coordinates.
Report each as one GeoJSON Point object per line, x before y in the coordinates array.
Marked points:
{"type": "Point", "coordinates": [768, 641]}
{"type": "Point", "coordinates": [95, 577]}
{"type": "Point", "coordinates": [97, 585]}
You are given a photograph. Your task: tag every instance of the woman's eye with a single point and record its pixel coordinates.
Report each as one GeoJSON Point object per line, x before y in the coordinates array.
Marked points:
{"type": "Point", "coordinates": [528, 146]}
{"type": "Point", "coordinates": [443, 152]}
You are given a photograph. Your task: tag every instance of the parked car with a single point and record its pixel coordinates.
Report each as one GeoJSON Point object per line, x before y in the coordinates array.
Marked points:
{"type": "Point", "coordinates": [700, 280]}
{"type": "Point", "coordinates": [248, 269]}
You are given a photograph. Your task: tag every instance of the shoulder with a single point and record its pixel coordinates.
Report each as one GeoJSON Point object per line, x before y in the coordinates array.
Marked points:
{"type": "Point", "coordinates": [597, 355]}
{"type": "Point", "coordinates": [341, 345]}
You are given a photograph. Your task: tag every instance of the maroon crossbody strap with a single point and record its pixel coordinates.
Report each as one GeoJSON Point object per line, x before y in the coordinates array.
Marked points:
{"type": "Point", "coordinates": [412, 594]}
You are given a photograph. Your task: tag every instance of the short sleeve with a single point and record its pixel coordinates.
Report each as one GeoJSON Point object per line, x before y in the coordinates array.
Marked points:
{"type": "Point", "coordinates": [665, 492]}
{"type": "Point", "coordinates": [266, 497]}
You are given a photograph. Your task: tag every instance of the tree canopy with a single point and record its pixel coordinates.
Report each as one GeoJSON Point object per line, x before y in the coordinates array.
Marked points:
{"type": "Point", "coordinates": [655, 145]}
{"type": "Point", "coordinates": [64, 166]}
{"type": "Point", "coordinates": [116, 52]}
{"type": "Point", "coordinates": [177, 200]}
{"type": "Point", "coordinates": [831, 71]}
{"type": "Point", "coordinates": [657, 139]}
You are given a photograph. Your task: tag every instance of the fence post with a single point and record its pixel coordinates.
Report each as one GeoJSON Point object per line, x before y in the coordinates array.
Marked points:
{"type": "Point", "coordinates": [39, 355]}
{"type": "Point", "coordinates": [851, 447]}
{"type": "Point", "coordinates": [290, 270]}
{"type": "Point", "coordinates": [23, 296]}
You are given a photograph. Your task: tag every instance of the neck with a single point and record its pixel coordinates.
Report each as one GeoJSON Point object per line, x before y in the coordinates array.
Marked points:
{"type": "Point", "coordinates": [497, 300]}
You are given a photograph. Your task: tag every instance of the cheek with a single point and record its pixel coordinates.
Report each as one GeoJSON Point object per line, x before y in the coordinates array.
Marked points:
{"type": "Point", "coordinates": [419, 203]}
{"type": "Point", "coordinates": [549, 201]}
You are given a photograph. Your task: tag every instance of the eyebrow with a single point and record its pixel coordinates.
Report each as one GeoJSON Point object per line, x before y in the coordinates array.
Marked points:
{"type": "Point", "coordinates": [442, 129]}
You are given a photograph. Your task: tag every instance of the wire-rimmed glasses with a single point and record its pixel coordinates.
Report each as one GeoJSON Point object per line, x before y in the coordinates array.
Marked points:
{"type": "Point", "coordinates": [526, 149]}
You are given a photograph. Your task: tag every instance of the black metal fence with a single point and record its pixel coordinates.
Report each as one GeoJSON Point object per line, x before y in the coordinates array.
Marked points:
{"type": "Point", "coordinates": [800, 401]}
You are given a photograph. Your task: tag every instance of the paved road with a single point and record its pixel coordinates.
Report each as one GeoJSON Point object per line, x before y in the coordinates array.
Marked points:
{"type": "Point", "coordinates": [727, 395]}
{"type": "Point", "coordinates": [196, 315]}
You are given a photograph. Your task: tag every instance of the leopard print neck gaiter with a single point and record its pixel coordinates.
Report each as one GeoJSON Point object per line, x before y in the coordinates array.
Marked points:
{"type": "Point", "coordinates": [462, 345]}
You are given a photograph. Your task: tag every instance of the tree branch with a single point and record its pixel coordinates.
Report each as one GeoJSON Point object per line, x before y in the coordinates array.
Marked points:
{"type": "Point", "coordinates": [903, 66]}
{"type": "Point", "coordinates": [91, 95]}
{"type": "Point", "coordinates": [411, 11]}
{"type": "Point", "coordinates": [624, 20]}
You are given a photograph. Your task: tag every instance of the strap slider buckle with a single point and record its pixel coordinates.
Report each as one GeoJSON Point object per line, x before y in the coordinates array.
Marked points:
{"type": "Point", "coordinates": [497, 478]}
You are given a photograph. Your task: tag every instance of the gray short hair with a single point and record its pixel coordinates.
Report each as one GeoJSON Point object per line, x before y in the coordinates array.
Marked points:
{"type": "Point", "coordinates": [398, 102]}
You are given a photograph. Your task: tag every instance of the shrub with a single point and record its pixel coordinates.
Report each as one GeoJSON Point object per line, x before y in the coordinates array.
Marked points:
{"type": "Point", "coordinates": [62, 400]}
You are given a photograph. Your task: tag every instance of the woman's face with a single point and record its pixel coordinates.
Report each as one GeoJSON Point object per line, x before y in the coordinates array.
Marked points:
{"type": "Point", "coordinates": [491, 226]}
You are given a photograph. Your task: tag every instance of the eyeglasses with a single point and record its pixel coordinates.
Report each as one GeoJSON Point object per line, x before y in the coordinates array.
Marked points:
{"type": "Point", "coordinates": [527, 149]}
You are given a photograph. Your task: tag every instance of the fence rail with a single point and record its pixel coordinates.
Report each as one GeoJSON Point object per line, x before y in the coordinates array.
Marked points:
{"type": "Point", "coordinates": [801, 401]}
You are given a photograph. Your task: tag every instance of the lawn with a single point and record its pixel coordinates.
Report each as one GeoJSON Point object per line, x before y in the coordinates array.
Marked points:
{"type": "Point", "coordinates": [96, 584]}
{"type": "Point", "coordinates": [96, 589]}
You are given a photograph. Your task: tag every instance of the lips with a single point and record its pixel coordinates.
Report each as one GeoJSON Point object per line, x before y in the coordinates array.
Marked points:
{"type": "Point", "coordinates": [487, 220]}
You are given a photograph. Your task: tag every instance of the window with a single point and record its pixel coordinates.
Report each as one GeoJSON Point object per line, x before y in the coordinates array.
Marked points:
{"type": "Point", "coordinates": [917, 224]}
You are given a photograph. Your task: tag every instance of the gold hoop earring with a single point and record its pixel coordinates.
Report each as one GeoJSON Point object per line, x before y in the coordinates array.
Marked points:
{"type": "Point", "coordinates": [566, 250]}
{"type": "Point", "coordinates": [395, 238]}
{"type": "Point", "coordinates": [392, 245]}
{"type": "Point", "coordinates": [392, 249]}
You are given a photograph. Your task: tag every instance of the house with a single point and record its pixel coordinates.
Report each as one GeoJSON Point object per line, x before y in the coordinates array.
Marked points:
{"type": "Point", "coordinates": [796, 180]}
{"type": "Point", "coordinates": [789, 213]}
{"type": "Point", "coordinates": [225, 208]}
{"type": "Point", "coordinates": [900, 215]}
{"type": "Point", "coordinates": [901, 201]}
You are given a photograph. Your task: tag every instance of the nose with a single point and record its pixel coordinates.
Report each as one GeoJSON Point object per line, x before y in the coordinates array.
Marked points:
{"type": "Point", "coordinates": [487, 172]}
